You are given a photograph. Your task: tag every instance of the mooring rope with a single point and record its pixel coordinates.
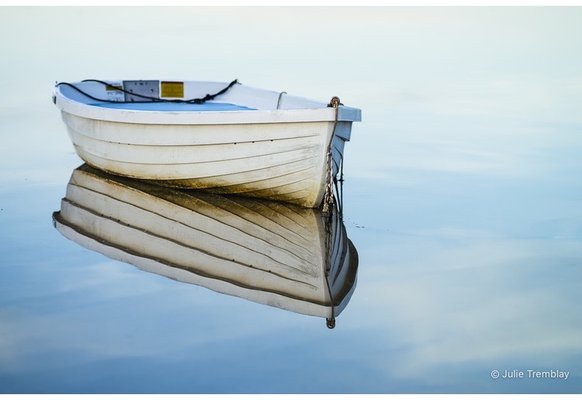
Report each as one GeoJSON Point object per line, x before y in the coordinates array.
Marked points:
{"type": "Point", "coordinates": [328, 200]}
{"type": "Point", "coordinates": [329, 208]}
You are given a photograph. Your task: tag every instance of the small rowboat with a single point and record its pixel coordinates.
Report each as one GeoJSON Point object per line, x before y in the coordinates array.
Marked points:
{"type": "Point", "coordinates": [272, 253]}
{"type": "Point", "coordinates": [239, 139]}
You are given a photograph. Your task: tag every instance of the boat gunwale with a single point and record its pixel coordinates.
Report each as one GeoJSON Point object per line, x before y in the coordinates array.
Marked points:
{"type": "Point", "coordinates": [325, 114]}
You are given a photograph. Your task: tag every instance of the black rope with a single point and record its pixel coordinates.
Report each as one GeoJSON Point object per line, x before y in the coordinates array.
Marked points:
{"type": "Point", "coordinates": [150, 99]}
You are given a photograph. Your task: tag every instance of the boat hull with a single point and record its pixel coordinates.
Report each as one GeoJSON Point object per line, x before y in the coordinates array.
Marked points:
{"type": "Point", "coordinates": [285, 161]}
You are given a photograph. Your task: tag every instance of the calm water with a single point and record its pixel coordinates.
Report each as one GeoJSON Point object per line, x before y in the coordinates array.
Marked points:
{"type": "Point", "coordinates": [463, 197]}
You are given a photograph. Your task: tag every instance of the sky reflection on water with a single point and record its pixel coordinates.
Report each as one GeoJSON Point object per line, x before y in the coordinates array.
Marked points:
{"type": "Point", "coordinates": [462, 196]}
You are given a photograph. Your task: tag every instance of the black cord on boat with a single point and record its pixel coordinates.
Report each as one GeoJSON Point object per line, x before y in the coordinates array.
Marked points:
{"type": "Point", "coordinates": [149, 98]}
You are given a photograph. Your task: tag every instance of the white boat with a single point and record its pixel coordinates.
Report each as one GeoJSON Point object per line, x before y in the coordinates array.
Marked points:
{"type": "Point", "coordinates": [240, 139]}
{"type": "Point", "coordinates": [278, 254]}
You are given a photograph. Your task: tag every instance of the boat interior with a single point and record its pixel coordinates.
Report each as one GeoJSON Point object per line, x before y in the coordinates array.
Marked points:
{"type": "Point", "coordinates": [160, 95]}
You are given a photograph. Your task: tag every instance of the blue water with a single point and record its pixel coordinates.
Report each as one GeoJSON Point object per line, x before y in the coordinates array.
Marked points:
{"type": "Point", "coordinates": [463, 198]}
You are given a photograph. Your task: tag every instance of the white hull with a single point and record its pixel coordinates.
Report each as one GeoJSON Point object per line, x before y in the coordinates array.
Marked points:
{"type": "Point", "coordinates": [280, 255]}
{"type": "Point", "coordinates": [279, 154]}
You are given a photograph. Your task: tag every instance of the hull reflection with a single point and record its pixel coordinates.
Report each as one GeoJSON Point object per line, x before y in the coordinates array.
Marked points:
{"type": "Point", "coordinates": [271, 253]}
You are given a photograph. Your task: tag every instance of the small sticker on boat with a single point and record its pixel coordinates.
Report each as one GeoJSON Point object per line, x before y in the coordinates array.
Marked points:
{"type": "Point", "coordinates": [114, 87]}
{"type": "Point", "coordinates": [141, 90]}
{"type": "Point", "coordinates": [114, 91]}
{"type": "Point", "coordinates": [172, 89]}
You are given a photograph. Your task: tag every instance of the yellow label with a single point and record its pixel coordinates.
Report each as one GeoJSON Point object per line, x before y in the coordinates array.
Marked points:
{"type": "Point", "coordinates": [172, 89]}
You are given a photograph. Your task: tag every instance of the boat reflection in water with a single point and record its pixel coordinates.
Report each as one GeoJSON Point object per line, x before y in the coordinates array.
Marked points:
{"type": "Point", "coordinates": [271, 253]}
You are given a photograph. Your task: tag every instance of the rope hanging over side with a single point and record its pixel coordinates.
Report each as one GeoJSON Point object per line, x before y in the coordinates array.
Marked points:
{"type": "Point", "coordinates": [148, 99]}
{"type": "Point", "coordinates": [328, 200]}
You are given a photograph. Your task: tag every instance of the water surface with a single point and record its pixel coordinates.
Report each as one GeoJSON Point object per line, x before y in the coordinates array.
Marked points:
{"type": "Point", "coordinates": [463, 198]}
